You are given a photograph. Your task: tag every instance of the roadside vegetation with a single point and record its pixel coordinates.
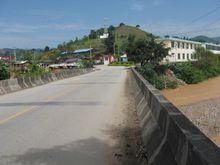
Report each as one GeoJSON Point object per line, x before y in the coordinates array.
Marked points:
{"type": "Point", "coordinates": [207, 66]}
{"type": "Point", "coordinates": [126, 64]}
{"type": "Point", "coordinates": [191, 72]}
{"type": "Point", "coordinates": [32, 70]}
{"type": "Point", "coordinates": [4, 71]}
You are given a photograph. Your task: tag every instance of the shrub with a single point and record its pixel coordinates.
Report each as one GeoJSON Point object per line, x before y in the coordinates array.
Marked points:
{"type": "Point", "coordinates": [150, 73]}
{"type": "Point", "coordinates": [87, 64]}
{"type": "Point", "coordinates": [169, 82]}
{"type": "Point", "coordinates": [126, 64]}
{"type": "Point", "coordinates": [187, 72]}
{"type": "Point", "coordinates": [4, 71]}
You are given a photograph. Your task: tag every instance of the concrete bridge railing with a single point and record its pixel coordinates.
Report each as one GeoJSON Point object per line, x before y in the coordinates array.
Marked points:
{"type": "Point", "coordinates": [13, 85]}
{"type": "Point", "coordinates": [170, 138]}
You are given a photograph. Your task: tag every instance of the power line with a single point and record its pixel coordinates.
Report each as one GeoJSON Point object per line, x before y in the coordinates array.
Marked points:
{"type": "Point", "coordinates": [197, 30]}
{"type": "Point", "coordinates": [198, 18]}
{"type": "Point", "coordinates": [203, 16]}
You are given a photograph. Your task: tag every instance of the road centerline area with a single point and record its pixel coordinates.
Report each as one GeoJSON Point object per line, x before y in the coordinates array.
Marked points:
{"type": "Point", "coordinates": [47, 100]}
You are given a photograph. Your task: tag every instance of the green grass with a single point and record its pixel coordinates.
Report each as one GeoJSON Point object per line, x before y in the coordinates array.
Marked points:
{"type": "Point", "coordinates": [126, 64]}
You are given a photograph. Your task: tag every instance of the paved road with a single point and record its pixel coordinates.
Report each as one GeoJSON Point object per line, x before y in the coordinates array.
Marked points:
{"type": "Point", "coordinates": [67, 122]}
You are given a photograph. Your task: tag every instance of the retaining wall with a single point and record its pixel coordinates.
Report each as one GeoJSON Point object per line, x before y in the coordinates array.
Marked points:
{"type": "Point", "coordinates": [169, 137]}
{"type": "Point", "coordinates": [13, 85]}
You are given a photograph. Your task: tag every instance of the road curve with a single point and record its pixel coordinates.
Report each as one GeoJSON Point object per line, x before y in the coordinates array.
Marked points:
{"type": "Point", "coordinates": [67, 122]}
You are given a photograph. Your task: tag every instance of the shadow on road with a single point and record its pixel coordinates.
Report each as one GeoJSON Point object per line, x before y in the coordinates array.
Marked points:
{"type": "Point", "coordinates": [82, 152]}
{"type": "Point", "coordinates": [78, 103]}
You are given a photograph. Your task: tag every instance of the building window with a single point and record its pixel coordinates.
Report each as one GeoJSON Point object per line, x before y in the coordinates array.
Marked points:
{"type": "Point", "coordinates": [191, 46]}
{"type": "Point", "coordinates": [187, 46]}
{"type": "Point", "coordinates": [172, 44]}
{"type": "Point", "coordinates": [178, 44]}
{"type": "Point", "coordinates": [191, 56]}
{"type": "Point", "coordinates": [187, 56]}
{"type": "Point", "coordinates": [183, 45]}
{"type": "Point", "coordinates": [184, 56]}
{"type": "Point", "coordinates": [179, 57]}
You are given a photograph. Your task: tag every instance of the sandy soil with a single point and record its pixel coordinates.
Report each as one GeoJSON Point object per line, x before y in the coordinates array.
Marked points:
{"type": "Point", "coordinates": [201, 104]}
{"type": "Point", "coordinates": [190, 94]}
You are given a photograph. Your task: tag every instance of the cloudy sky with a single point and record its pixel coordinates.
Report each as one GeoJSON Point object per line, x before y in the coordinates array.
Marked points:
{"type": "Point", "coordinates": [36, 23]}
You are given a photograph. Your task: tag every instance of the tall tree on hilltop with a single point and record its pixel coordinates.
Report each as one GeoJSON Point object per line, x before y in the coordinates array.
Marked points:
{"type": "Point", "coordinates": [47, 49]}
{"type": "Point", "coordinates": [121, 24]}
{"type": "Point", "coordinates": [93, 34]}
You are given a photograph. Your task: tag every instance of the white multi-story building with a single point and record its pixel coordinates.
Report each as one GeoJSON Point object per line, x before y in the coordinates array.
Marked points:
{"type": "Point", "coordinates": [213, 47]}
{"type": "Point", "coordinates": [183, 50]}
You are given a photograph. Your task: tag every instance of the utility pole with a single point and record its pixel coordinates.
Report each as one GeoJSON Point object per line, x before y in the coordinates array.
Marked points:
{"type": "Point", "coordinates": [15, 56]}
{"type": "Point", "coordinates": [114, 48]}
{"type": "Point", "coordinates": [33, 55]}
{"type": "Point", "coordinates": [90, 46]}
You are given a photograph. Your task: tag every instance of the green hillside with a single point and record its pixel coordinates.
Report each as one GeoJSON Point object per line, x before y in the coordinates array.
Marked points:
{"type": "Point", "coordinates": [120, 33]}
{"type": "Point", "coordinates": [125, 31]}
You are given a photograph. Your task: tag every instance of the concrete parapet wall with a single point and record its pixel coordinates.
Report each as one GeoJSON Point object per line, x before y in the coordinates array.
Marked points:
{"type": "Point", "coordinates": [13, 85]}
{"type": "Point", "coordinates": [169, 137]}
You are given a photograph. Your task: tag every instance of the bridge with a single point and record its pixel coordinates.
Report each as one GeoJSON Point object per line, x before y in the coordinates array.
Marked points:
{"type": "Point", "coordinates": [108, 116]}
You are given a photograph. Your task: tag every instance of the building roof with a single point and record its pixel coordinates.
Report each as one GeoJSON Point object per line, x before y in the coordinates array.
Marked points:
{"type": "Point", "coordinates": [82, 50]}
{"type": "Point", "coordinates": [77, 51]}
{"type": "Point", "coordinates": [179, 40]}
{"type": "Point", "coordinates": [20, 62]}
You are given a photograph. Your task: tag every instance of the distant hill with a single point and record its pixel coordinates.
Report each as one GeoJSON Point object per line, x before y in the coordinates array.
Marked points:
{"type": "Point", "coordinates": [215, 40]}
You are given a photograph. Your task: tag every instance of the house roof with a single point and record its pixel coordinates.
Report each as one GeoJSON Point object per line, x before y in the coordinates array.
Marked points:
{"type": "Point", "coordinates": [77, 51]}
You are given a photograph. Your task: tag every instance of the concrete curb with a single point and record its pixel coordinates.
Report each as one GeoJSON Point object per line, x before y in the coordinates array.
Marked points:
{"type": "Point", "coordinates": [170, 138]}
{"type": "Point", "coordinates": [13, 85]}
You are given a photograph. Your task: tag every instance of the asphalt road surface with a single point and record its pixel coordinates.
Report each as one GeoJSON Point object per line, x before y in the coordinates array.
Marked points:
{"type": "Point", "coordinates": [67, 122]}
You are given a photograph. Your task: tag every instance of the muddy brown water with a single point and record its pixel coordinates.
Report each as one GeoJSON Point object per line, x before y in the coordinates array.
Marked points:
{"type": "Point", "coordinates": [201, 104]}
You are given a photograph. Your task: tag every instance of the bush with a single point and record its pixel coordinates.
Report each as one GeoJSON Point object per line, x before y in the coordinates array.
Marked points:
{"type": "Point", "coordinates": [87, 64]}
{"type": "Point", "coordinates": [187, 72]}
{"type": "Point", "coordinates": [4, 71]}
{"type": "Point", "coordinates": [32, 70]}
{"type": "Point", "coordinates": [126, 64]}
{"type": "Point", "coordinates": [150, 73]}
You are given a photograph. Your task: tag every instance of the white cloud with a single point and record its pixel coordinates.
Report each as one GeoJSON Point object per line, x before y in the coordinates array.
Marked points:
{"type": "Point", "coordinates": [139, 5]}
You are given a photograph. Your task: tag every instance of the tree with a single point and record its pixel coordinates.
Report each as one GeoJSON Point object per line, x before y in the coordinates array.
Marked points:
{"type": "Point", "coordinates": [76, 40]}
{"type": "Point", "coordinates": [4, 71]}
{"type": "Point", "coordinates": [47, 49]}
{"type": "Point", "coordinates": [149, 51]}
{"type": "Point", "coordinates": [109, 44]}
{"type": "Point", "coordinates": [111, 28]}
{"type": "Point", "coordinates": [130, 50]}
{"type": "Point", "coordinates": [205, 57]}
{"type": "Point", "coordinates": [92, 34]}
{"type": "Point", "coordinates": [121, 24]}
{"type": "Point", "coordinates": [138, 26]}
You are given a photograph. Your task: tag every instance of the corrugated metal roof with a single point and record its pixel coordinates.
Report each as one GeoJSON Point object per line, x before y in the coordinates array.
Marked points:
{"type": "Point", "coordinates": [77, 51]}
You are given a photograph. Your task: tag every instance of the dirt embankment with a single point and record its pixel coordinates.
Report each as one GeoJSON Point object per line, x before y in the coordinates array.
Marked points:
{"type": "Point", "coordinates": [201, 104]}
